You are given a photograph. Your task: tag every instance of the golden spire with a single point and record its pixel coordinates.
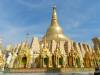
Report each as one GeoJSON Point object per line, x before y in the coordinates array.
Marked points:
{"type": "Point", "coordinates": [54, 20]}
{"type": "Point", "coordinates": [54, 32]}
{"type": "Point", "coordinates": [54, 15]}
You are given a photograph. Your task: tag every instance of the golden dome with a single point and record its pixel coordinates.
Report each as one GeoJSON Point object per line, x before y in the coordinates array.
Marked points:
{"type": "Point", "coordinates": [55, 32]}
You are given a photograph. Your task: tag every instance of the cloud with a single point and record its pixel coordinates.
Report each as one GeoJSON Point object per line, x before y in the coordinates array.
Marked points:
{"type": "Point", "coordinates": [31, 3]}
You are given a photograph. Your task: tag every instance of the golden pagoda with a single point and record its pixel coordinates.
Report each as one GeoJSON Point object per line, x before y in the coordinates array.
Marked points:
{"type": "Point", "coordinates": [54, 53]}
{"type": "Point", "coordinates": [55, 32]}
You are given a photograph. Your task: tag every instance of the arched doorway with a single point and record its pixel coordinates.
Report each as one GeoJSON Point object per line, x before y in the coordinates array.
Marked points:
{"type": "Point", "coordinates": [53, 61]}
{"type": "Point", "coordinates": [24, 61]}
{"type": "Point", "coordinates": [46, 61]}
{"type": "Point", "coordinates": [61, 61]}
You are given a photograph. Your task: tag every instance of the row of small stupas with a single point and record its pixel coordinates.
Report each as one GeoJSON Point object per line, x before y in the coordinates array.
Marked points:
{"type": "Point", "coordinates": [54, 50]}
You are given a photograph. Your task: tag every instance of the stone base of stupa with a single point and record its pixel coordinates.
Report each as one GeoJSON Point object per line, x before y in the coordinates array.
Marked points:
{"type": "Point", "coordinates": [49, 70]}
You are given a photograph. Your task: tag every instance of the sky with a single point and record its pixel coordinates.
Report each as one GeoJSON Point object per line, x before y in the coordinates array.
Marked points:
{"type": "Point", "coordinates": [80, 19]}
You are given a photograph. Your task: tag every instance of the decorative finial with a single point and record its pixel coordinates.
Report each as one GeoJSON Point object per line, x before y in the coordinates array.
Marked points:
{"type": "Point", "coordinates": [54, 7]}
{"type": "Point", "coordinates": [54, 15]}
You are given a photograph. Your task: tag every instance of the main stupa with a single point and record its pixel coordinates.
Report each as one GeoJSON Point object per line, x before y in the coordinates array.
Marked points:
{"type": "Point", "coordinates": [55, 32]}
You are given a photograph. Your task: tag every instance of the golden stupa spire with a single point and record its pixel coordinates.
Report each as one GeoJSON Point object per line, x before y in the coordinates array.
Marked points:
{"type": "Point", "coordinates": [54, 20]}
{"type": "Point", "coordinates": [55, 32]}
{"type": "Point", "coordinates": [54, 14]}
